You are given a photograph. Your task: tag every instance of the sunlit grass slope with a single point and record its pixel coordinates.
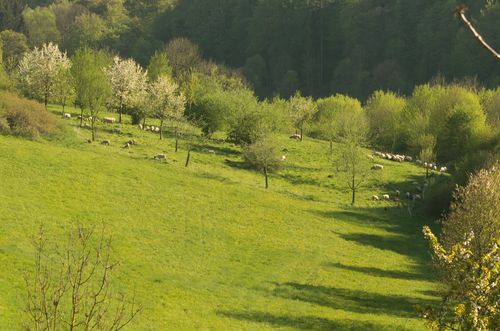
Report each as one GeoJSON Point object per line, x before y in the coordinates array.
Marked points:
{"type": "Point", "coordinates": [207, 247]}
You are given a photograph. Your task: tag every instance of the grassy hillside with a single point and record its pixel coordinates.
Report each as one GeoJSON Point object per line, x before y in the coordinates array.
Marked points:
{"type": "Point", "coordinates": [206, 247]}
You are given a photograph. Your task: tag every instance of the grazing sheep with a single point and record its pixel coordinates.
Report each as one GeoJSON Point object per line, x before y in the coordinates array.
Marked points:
{"type": "Point", "coordinates": [398, 193]}
{"type": "Point", "coordinates": [379, 154]}
{"type": "Point", "coordinates": [417, 197]}
{"type": "Point", "coordinates": [375, 198]}
{"type": "Point", "coordinates": [371, 157]}
{"type": "Point", "coordinates": [419, 163]}
{"type": "Point", "coordinates": [148, 128]}
{"type": "Point", "coordinates": [426, 165]}
{"type": "Point", "coordinates": [140, 126]}
{"type": "Point", "coordinates": [127, 145]}
{"type": "Point", "coordinates": [67, 116]}
{"type": "Point", "coordinates": [383, 156]}
{"type": "Point", "coordinates": [109, 120]}
{"type": "Point", "coordinates": [419, 189]}
{"type": "Point", "coordinates": [132, 142]}
{"type": "Point", "coordinates": [408, 195]}
{"type": "Point", "coordinates": [160, 157]}
{"type": "Point", "coordinates": [157, 129]}
{"type": "Point", "coordinates": [295, 136]}
{"type": "Point", "coordinates": [414, 184]}
{"type": "Point", "coordinates": [377, 167]}
{"type": "Point", "coordinates": [386, 197]}
{"type": "Point", "coordinates": [283, 157]}
{"type": "Point", "coordinates": [435, 168]}
{"type": "Point", "coordinates": [106, 142]}
{"type": "Point", "coordinates": [211, 151]}
{"type": "Point", "coordinates": [408, 158]}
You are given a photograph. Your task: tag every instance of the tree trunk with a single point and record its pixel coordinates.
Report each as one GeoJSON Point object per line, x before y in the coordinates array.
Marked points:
{"type": "Point", "coordinates": [120, 116]}
{"type": "Point", "coordinates": [266, 176]}
{"type": "Point", "coordinates": [188, 157]}
{"type": "Point", "coordinates": [427, 172]}
{"type": "Point", "coordinates": [93, 128]}
{"type": "Point", "coordinates": [144, 121]}
{"type": "Point", "coordinates": [353, 188]}
{"type": "Point", "coordinates": [46, 100]}
{"type": "Point", "coordinates": [301, 133]}
{"type": "Point", "coordinates": [176, 140]}
{"type": "Point", "coordinates": [161, 129]}
{"type": "Point", "coordinates": [331, 147]}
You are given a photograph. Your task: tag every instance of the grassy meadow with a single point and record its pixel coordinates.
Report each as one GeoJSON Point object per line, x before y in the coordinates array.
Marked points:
{"type": "Point", "coordinates": [207, 247]}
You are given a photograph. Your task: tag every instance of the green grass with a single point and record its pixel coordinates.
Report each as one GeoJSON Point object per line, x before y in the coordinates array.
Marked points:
{"type": "Point", "coordinates": [207, 247]}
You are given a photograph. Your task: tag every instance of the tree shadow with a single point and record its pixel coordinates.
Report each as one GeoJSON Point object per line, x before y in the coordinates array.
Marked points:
{"type": "Point", "coordinates": [312, 323]}
{"type": "Point", "coordinates": [222, 179]}
{"type": "Point", "coordinates": [218, 150]}
{"type": "Point", "coordinates": [351, 300]}
{"type": "Point", "coordinates": [298, 179]}
{"type": "Point", "coordinates": [376, 272]}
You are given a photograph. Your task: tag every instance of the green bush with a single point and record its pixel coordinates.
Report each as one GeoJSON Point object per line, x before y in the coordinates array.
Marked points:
{"type": "Point", "coordinates": [25, 118]}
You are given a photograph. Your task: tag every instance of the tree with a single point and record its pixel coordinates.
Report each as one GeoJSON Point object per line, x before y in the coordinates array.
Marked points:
{"type": "Point", "coordinates": [167, 101]}
{"type": "Point", "coordinates": [301, 110]}
{"type": "Point", "coordinates": [383, 110]}
{"type": "Point", "coordinates": [476, 208]}
{"type": "Point", "coordinates": [72, 289]}
{"type": "Point", "coordinates": [128, 81]}
{"type": "Point", "coordinates": [92, 86]}
{"type": "Point", "coordinates": [15, 45]}
{"type": "Point", "coordinates": [183, 56]}
{"type": "Point", "coordinates": [264, 156]}
{"type": "Point", "coordinates": [39, 70]}
{"type": "Point", "coordinates": [352, 153]}
{"type": "Point", "coordinates": [332, 114]}
{"type": "Point", "coordinates": [159, 65]}
{"type": "Point", "coordinates": [40, 24]}
{"type": "Point", "coordinates": [64, 88]}
{"type": "Point", "coordinates": [427, 144]}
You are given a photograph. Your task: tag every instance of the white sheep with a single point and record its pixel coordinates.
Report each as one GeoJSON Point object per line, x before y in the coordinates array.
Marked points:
{"type": "Point", "coordinates": [377, 167]}
{"type": "Point", "coordinates": [443, 169]}
{"type": "Point", "coordinates": [386, 197]}
{"type": "Point", "coordinates": [375, 198]}
{"type": "Point", "coordinates": [109, 120]}
{"type": "Point", "coordinates": [67, 116]}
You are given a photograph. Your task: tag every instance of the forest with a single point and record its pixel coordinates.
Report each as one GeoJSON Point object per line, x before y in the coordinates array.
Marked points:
{"type": "Point", "coordinates": [320, 47]}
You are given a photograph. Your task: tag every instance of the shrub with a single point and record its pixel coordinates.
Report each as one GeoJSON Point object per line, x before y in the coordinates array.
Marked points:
{"type": "Point", "coordinates": [23, 117]}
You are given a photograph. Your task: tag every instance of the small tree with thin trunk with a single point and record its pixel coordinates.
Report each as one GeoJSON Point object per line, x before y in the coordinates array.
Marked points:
{"type": "Point", "coordinates": [64, 88]}
{"type": "Point", "coordinates": [71, 288]}
{"type": "Point", "coordinates": [301, 111]}
{"type": "Point", "coordinates": [352, 153]}
{"type": "Point", "coordinates": [264, 156]}
{"type": "Point", "coordinates": [167, 101]}
{"type": "Point", "coordinates": [92, 86]}
{"type": "Point", "coordinates": [427, 155]}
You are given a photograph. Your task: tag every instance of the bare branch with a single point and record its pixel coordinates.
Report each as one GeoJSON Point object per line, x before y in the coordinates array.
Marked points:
{"type": "Point", "coordinates": [460, 14]}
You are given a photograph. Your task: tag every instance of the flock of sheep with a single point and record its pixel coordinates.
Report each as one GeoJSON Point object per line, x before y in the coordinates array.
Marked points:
{"type": "Point", "coordinates": [419, 191]}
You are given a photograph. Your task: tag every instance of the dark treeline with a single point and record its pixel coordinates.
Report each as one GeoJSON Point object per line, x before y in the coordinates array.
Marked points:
{"type": "Point", "coordinates": [320, 47]}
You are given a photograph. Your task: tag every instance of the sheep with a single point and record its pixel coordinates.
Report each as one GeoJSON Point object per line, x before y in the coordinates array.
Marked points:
{"type": "Point", "coordinates": [419, 163]}
{"type": "Point", "coordinates": [106, 142]}
{"type": "Point", "coordinates": [408, 158]}
{"type": "Point", "coordinates": [414, 183]}
{"type": "Point", "coordinates": [408, 195]}
{"type": "Point", "coordinates": [211, 151]}
{"type": "Point", "coordinates": [127, 145]}
{"type": "Point", "coordinates": [375, 198]}
{"type": "Point", "coordinates": [398, 193]}
{"type": "Point", "coordinates": [160, 157]}
{"type": "Point", "coordinates": [140, 126]}
{"type": "Point", "coordinates": [132, 142]}
{"type": "Point", "coordinates": [148, 128]}
{"type": "Point", "coordinates": [157, 129]}
{"type": "Point", "coordinates": [295, 136]}
{"type": "Point", "coordinates": [435, 168]}
{"type": "Point", "coordinates": [377, 167]}
{"type": "Point", "coordinates": [417, 197]}
{"type": "Point", "coordinates": [67, 116]}
{"type": "Point", "coordinates": [443, 169]}
{"type": "Point", "coordinates": [379, 154]}
{"type": "Point", "coordinates": [386, 197]}
{"type": "Point", "coordinates": [109, 120]}
{"type": "Point", "coordinates": [371, 157]}
{"type": "Point", "coordinates": [283, 157]}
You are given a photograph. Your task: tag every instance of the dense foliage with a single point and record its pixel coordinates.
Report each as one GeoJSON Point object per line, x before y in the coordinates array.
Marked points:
{"type": "Point", "coordinates": [320, 47]}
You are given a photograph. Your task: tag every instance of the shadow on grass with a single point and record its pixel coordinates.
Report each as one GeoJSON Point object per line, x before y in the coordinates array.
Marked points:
{"type": "Point", "coordinates": [376, 272]}
{"type": "Point", "coordinates": [351, 300]}
{"type": "Point", "coordinates": [219, 150]}
{"type": "Point", "coordinates": [222, 179]}
{"type": "Point", "coordinates": [299, 180]}
{"type": "Point", "coordinates": [302, 322]}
